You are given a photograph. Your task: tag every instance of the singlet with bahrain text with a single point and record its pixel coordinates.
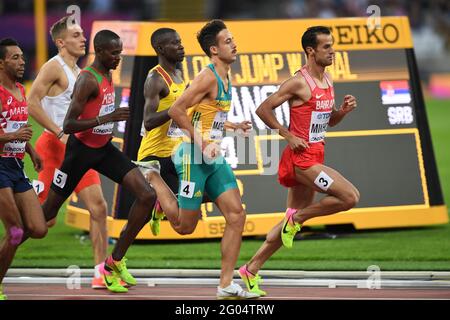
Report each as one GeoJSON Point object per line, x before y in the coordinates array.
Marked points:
{"type": "Point", "coordinates": [209, 118]}
{"type": "Point", "coordinates": [56, 107]}
{"type": "Point", "coordinates": [309, 120]}
{"type": "Point", "coordinates": [162, 140]}
{"type": "Point", "coordinates": [103, 104]}
{"type": "Point", "coordinates": [13, 116]}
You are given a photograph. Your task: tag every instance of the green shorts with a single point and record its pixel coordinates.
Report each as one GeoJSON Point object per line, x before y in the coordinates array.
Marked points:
{"type": "Point", "coordinates": [197, 176]}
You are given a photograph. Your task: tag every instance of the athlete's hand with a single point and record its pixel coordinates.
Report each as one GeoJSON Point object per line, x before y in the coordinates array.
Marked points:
{"type": "Point", "coordinates": [297, 144]}
{"type": "Point", "coordinates": [24, 133]}
{"type": "Point", "coordinates": [37, 161]}
{"type": "Point", "coordinates": [119, 114]}
{"type": "Point", "coordinates": [210, 150]}
{"type": "Point", "coordinates": [349, 104]}
{"type": "Point", "coordinates": [243, 128]}
{"type": "Point", "coordinates": [64, 138]}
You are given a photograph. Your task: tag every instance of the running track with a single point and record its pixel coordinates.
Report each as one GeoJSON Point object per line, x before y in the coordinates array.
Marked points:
{"type": "Point", "coordinates": [25, 291]}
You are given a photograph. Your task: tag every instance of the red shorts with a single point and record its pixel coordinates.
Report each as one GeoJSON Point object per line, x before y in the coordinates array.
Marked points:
{"type": "Point", "coordinates": [304, 160]}
{"type": "Point", "coordinates": [52, 152]}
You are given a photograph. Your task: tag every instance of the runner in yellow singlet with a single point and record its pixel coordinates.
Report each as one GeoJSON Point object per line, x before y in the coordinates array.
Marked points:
{"type": "Point", "coordinates": [162, 87]}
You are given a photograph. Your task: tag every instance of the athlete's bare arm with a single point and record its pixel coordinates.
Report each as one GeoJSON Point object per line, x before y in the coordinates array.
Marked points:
{"type": "Point", "coordinates": [85, 89]}
{"type": "Point", "coordinates": [154, 89]}
{"type": "Point", "coordinates": [35, 158]}
{"type": "Point", "coordinates": [294, 90]}
{"type": "Point", "coordinates": [244, 125]}
{"type": "Point", "coordinates": [347, 106]}
{"type": "Point", "coordinates": [201, 88]}
{"type": "Point", "coordinates": [47, 77]}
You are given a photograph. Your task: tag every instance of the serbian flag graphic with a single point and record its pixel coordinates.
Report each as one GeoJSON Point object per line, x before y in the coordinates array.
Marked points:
{"type": "Point", "coordinates": [395, 92]}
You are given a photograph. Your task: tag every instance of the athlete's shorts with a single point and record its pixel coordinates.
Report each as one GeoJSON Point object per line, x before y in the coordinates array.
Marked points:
{"type": "Point", "coordinates": [79, 158]}
{"type": "Point", "coordinates": [168, 171]}
{"type": "Point", "coordinates": [197, 176]}
{"type": "Point", "coordinates": [303, 160]}
{"type": "Point", "coordinates": [52, 150]}
{"type": "Point", "coordinates": [12, 175]}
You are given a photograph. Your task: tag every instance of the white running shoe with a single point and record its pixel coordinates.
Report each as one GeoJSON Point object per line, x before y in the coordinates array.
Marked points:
{"type": "Point", "coordinates": [148, 166]}
{"type": "Point", "coordinates": [235, 292]}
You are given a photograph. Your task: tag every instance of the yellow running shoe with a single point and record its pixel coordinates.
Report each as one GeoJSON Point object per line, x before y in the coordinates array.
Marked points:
{"type": "Point", "coordinates": [157, 216]}
{"type": "Point", "coordinates": [112, 280]}
{"type": "Point", "coordinates": [251, 280]}
{"type": "Point", "coordinates": [2, 296]}
{"type": "Point", "coordinates": [120, 268]}
{"type": "Point", "coordinates": [290, 228]}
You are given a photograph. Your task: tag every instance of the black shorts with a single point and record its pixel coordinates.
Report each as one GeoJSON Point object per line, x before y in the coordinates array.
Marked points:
{"type": "Point", "coordinates": [12, 175]}
{"type": "Point", "coordinates": [79, 158]}
{"type": "Point", "coordinates": [168, 172]}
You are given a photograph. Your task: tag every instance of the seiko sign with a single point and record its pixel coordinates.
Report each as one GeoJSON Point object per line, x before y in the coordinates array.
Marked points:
{"type": "Point", "coordinates": [362, 34]}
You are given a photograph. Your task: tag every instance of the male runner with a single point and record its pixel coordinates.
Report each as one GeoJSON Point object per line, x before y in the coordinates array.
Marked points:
{"type": "Point", "coordinates": [20, 211]}
{"type": "Point", "coordinates": [89, 121]}
{"type": "Point", "coordinates": [202, 111]}
{"type": "Point", "coordinates": [48, 101]}
{"type": "Point", "coordinates": [311, 99]}
{"type": "Point", "coordinates": [164, 84]}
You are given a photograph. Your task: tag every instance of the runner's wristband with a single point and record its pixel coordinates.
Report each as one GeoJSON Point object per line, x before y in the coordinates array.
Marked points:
{"type": "Point", "coordinates": [60, 134]}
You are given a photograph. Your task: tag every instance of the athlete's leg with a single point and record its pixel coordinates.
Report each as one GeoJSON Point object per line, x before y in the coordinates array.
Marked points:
{"type": "Point", "coordinates": [298, 197]}
{"type": "Point", "coordinates": [229, 203]}
{"type": "Point", "coordinates": [31, 212]}
{"type": "Point", "coordinates": [341, 194]}
{"type": "Point", "coordinates": [92, 196]}
{"type": "Point", "coordinates": [166, 198]}
{"type": "Point", "coordinates": [14, 229]}
{"type": "Point", "coordinates": [78, 159]}
{"type": "Point", "coordinates": [51, 150]}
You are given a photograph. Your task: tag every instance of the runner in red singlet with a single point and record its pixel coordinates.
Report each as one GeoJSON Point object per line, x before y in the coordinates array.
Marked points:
{"type": "Point", "coordinates": [90, 122]}
{"type": "Point", "coordinates": [311, 100]}
{"type": "Point", "coordinates": [20, 212]}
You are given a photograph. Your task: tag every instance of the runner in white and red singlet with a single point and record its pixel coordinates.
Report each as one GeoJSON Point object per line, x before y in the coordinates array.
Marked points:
{"type": "Point", "coordinates": [311, 100]}
{"type": "Point", "coordinates": [21, 213]}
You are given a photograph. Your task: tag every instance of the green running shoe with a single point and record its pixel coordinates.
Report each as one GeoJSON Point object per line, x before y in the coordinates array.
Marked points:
{"type": "Point", "coordinates": [2, 296]}
{"type": "Point", "coordinates": [157, 216]}
{"type": "Point", "coordinates": [112, 280]}
{"type": "Point", "coordinates": [120, 268]}
{"type": "Point", "coordinates": [290, 228]}
{"type": "Point", "coordinates": [251, 280]}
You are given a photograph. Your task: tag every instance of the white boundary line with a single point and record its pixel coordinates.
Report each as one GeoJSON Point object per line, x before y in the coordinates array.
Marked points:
{"type": "Point", "coordinates": [272, 282]}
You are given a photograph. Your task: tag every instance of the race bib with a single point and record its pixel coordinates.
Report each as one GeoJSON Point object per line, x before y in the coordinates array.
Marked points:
{"type": "Point", "coordinates": [216, 132]}
{"type": "Point", "coordinates": [15, 146]}
{"type": "Point", "coordinates": [174, 130]}
{"type": "Point", "coordinates": [318, 126]}
{"type": "Point", "coordinates": [187, 189]}
{"type": "Point", "coordinates": [38, 186]}
{"type": "Point", "coordinates": [59, 178]}
{"type": "Point", "coordinates": [106, 128]}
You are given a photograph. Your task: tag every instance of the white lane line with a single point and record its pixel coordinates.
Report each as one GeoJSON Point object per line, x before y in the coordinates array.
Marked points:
{"type": "Point", "coordinates": [160, 297]}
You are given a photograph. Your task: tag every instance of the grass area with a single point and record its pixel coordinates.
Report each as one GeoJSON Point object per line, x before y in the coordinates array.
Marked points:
{"type": "Point", "coordinates": [426, 248]}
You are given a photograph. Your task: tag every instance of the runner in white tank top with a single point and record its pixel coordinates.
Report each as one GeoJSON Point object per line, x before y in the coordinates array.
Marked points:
{"type": "Point", "coordinates": [56, 106]}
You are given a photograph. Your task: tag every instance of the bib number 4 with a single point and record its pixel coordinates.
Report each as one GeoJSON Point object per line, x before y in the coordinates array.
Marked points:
{"type": "Point", "coordinates": [187, 189]}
